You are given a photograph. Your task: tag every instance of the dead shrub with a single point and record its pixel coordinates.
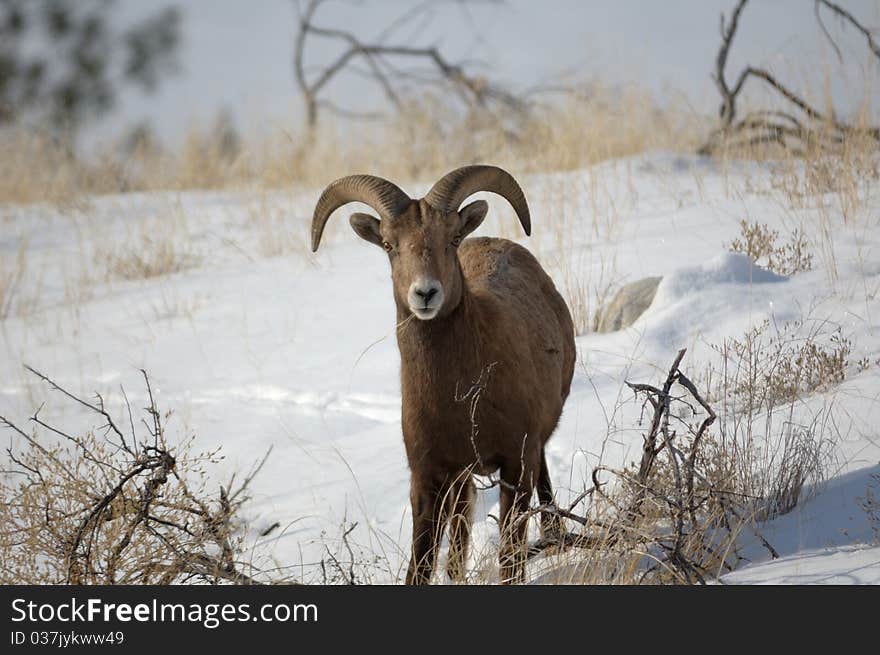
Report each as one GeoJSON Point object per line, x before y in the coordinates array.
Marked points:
{"type": "Point", "coordinates": [672, 517]}
{"type": "Point", "coordinates": [763, 370]}
{"type": "Point", "coordinates": [776, 444]}
{"type": "Point", "coordinates": [110, 506]}
{"type": "Point", "coordinates": [759, 242]}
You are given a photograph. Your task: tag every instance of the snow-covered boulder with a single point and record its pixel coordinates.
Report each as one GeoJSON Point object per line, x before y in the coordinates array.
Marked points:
{"type": "Point", "coordinates": [627, 305]}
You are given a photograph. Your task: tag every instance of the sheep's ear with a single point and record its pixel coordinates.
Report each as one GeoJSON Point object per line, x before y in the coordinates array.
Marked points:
{"type": "Point", "coordinates": [366, 227]}
{"type": "Point", "coordinates": [471, 216]}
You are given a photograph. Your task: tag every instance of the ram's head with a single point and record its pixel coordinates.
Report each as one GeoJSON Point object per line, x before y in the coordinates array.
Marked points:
{"type": "Point", "coordinates": [422, 236]}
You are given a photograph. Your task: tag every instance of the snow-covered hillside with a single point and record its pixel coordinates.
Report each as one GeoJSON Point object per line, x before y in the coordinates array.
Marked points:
{"type": "Point", "coordinates": [256, 343]}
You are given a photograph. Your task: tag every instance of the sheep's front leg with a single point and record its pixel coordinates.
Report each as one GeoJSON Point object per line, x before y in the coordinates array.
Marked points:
{"type": "Point", "coordinates": [459, 503]}
{"type": "Point", "coordinates": [427, 500]}
{"type": "Point", "coordinates": [515, 496]}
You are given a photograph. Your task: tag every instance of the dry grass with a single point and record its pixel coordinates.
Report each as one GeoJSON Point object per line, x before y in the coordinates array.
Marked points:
{"type": "Point", "coordinates": [161, 246]}
{"type": "Point", "coordinates": [153, 256]}
{"type": "Point", "coordinates": [767, 450]}
{"type": "Point", "coordinates": [584, 287]}
{"type": "Point", "coordinates": [424, 141]}
{"type": "Point", "coordinates": [824, 185]}
{"type": "Point", "coordinates": [566, 132]}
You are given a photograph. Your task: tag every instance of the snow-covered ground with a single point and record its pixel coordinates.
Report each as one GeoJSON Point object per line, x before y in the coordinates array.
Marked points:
{"type": "Point", "coordinates": [258, 343]}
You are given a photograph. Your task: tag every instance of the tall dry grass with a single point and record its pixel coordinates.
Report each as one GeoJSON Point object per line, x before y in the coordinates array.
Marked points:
{"type": "Point", "coordinates": [423, 141]}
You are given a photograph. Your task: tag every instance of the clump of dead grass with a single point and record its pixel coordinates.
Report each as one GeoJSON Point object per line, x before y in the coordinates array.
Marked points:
{"type": "Point", "coordinates": [759, 242]}
{"type": "Point", "coordinates": [155, 257]}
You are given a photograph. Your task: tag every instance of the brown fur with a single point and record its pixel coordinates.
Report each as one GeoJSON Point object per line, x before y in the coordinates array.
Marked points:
{"type": "Point", "coordinates": [502, 327]}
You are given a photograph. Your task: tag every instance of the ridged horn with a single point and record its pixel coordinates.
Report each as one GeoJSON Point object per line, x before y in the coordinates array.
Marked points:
{"type": "Point", "coordinates": [380, 194]}
{"type": "Point", "coordinates": [452, 189]}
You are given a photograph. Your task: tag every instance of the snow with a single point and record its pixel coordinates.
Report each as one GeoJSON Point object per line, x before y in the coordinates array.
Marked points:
{"type": "Point", "coordinates": [726, 268]}
{"type": "Point", "coordinates": [297, 351]}
{"type": "Point", "coordinates": [827, 540]}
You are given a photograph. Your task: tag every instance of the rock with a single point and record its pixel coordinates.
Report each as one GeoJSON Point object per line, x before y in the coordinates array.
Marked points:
{"type": "Point", "coordinates": [627, 305]}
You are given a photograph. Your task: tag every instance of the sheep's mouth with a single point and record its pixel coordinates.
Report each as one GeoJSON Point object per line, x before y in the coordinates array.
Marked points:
{"type": "Point", "coordinates": [424, 313]}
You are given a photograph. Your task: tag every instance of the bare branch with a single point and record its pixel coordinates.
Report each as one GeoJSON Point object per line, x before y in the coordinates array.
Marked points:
{"type": "Point", "coordinates": [472, 90]}
{"type": "Point", "coordinates": [845, 15]}
{"type": "Point", "coordinates": [95, 408]}
{"type": "Point", "coordinates": [758, 127]}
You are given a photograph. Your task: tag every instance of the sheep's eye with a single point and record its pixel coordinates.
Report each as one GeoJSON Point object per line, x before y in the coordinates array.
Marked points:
{"type": "Point", "coordinates": [456, 241]}
{"type": "Point", "coordinates": [388, 247]}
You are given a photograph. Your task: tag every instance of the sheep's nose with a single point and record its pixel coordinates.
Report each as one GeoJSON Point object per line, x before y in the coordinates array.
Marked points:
{"type": "Point", "coordinates": [425, 290]}
{"type": "Point", "coordinates": [427, 293]}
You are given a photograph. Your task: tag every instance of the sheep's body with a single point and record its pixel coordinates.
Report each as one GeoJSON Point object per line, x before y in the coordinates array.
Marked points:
{"type": "Point", "coordinates": [487, 355]}
{"type": "Point", "coordinates": [511, 334]}
{"type": "Point", "coordinates": [511, 339]}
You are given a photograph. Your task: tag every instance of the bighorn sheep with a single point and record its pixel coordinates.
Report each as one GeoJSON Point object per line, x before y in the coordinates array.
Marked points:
{"type": "Point", "coordinates": [486, 368]}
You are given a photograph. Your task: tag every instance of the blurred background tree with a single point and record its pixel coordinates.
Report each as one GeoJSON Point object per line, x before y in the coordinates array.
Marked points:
{"type": "Point", "coordinates": [63, 63]}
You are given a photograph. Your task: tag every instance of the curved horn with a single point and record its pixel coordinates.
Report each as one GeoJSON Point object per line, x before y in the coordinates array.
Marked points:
{"type": "Point", "coordinates": [451, 190]}
{"type": "Point", "coordinates": [380, 194]}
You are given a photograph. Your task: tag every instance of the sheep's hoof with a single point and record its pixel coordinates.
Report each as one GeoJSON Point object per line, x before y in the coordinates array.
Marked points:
{"type": "Point", "coordinates": [551, 526]}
